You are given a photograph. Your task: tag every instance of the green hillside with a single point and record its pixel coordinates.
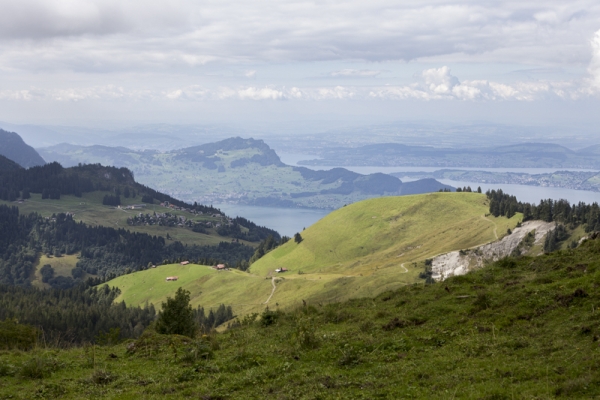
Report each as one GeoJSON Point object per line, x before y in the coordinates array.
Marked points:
{"type": "Point", "coordinates": [521, 328]}
{"type": "Point", "coordinates": [378, 235]}
{"type": "Point", "coordinates": [359, 250]}
{"type": "Point", "coordinates": [245, 292]}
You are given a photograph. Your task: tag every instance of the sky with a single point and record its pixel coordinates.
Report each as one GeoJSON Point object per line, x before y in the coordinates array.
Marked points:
{"type": "Point", "coordinates": [107, 62]}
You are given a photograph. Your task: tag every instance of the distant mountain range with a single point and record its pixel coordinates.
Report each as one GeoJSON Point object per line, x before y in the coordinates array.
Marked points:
{"type": "Point", "coordinates": [241, 171]}
{"type": "Point", "coordinates": [15, 149]}
{"type": "Point", "coordinates": [525, 155]}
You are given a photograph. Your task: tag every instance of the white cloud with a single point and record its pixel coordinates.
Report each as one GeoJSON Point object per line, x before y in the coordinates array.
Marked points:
{"type": "Point", "coordinates": [594, 67]}
{"type": "Point", "coordinates": [253, 93]}
{"type": "Point", "coordinates": [355, 73]}
{"type": "Point", "coordinates": [92, 35]}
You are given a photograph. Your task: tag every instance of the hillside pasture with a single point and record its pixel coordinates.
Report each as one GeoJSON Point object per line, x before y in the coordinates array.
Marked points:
{"type": "Point", "coordinates": [208, 287]}
{"type": "Point", "coordinates": [89, 209]}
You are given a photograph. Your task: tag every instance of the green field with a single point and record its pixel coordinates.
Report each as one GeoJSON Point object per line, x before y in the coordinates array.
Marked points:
{"type": "Point", "coordinates": [89, 209]}
{"type": "Point", "coordinates": [244, 292]}
{"type": "Point", "coordinates": [359, 250]}
{"type": "Point", "coordinates": [62, 267]}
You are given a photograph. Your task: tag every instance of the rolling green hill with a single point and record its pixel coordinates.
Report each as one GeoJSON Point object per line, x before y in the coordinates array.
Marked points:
{"type": "Point", "coordinates": [240, 171]}
{"type": "Point", "coordinates": [359, 250]}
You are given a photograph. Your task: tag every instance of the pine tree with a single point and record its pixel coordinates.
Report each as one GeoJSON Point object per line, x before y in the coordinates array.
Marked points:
{"type": "Point", "coordinates": [177, 316]}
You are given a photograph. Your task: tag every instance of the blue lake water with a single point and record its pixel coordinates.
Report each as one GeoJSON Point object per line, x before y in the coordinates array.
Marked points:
{"type": "Point", "coordinates": [286, 221]}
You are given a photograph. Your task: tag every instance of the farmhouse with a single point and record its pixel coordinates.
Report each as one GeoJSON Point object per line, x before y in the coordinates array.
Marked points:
{"type": "Point", "coordinates": [282, 269]}
{"type": "Point", "coordinates": [172, 278]}
{"type": "Point", "coordinates": [184, 262]}
{"type": "Point", "coordinates": [220, 267]}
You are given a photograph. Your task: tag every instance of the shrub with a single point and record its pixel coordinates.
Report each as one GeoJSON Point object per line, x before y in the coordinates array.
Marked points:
{"type": "Point", "coordinates": [102, 377]}
{"type": "Point", "coordinates": [17, 336]}
{"type": "Point", "coordinates": [37, 368]}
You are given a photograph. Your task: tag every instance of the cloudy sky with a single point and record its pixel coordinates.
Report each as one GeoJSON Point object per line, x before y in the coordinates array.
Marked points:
{"type": "Point", "coordinates": [110, 61]}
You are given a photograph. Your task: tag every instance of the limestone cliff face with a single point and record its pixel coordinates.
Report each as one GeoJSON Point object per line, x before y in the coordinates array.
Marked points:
{"type": "Point", "coordinates": [461, 262]}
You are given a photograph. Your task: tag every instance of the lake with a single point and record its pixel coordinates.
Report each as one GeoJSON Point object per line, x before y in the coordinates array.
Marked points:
{"type": "Point", "coordinates": [286, 221]}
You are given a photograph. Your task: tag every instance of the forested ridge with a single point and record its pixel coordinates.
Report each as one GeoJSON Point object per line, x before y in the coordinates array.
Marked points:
{"type": "Point", "coordinates": [104, 251]}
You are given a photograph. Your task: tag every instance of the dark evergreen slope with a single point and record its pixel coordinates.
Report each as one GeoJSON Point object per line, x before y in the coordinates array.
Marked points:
{"type": "Point", "coordinates": [8, 165]}
{"type": "Point", "coordinates": [14, 148]}
{"type": "Point", "coordinates": [105, 251]}
{"type": "Point", "coordinates": [73, 316]}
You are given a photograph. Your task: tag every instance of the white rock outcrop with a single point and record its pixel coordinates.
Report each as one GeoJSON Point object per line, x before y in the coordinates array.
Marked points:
{"type": "Point", "coordinates": [460, 262]}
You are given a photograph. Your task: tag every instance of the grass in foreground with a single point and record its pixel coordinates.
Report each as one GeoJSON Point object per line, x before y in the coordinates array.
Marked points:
{"type": "Point", "coordinates": [520, 328]}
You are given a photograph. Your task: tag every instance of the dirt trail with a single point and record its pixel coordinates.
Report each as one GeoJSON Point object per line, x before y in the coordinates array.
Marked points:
{"type": "Point", "coordinates": [405, 270]}
{"type": "Point", "coordinates": [272, 291]}
{"type": "Point", "coordinates": [495, 226]}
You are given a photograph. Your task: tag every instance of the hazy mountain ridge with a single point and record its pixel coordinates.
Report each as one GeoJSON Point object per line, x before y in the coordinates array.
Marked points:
{"type": "Point", "coordinates": [242, 171]}
{"type": "Point", "coordinates": [578, 180]}
{"type": "Point", "coordinates": [15, 149]}
{"type": "Point", "coordinates": [524, 155]}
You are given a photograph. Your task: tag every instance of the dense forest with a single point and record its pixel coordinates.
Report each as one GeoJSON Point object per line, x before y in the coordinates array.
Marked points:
{"type": "Point", "coordinates": [105, 251]}
{"type": "Point", "coordinates": [84, 314]}
{"type": "Point", "coordinates": [560, 211]}
{"type": "Point", "coordinates": [73, 316]}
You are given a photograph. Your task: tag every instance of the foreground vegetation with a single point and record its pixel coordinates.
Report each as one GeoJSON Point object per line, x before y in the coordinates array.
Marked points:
{"type": "Point", "coordinates": [519, 328]}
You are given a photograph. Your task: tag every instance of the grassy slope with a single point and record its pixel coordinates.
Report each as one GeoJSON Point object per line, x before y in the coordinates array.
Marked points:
{"type": "Point", "coordinates": [209, 287]}
{"type": "Point", "coordinates": [90, 210]}
{"type": "Point", "coordinates": [353, 252]}
{"type": "Point", "coordinates": [526, 329]}
{"type": "Point", "coordinates": [62, 267]}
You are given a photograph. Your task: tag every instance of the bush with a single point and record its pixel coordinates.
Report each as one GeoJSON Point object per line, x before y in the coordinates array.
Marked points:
{"type": "Point", "coordinates": [268, 317]}
{"type": "Point", "coordinates": [102, 377]}
{"type": "Point", "coordinates": [17, 336]}
{"type": "Point", "coordinates": [37, 368]}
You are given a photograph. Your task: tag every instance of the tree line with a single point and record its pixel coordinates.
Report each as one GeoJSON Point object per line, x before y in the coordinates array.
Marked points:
{"type": "Point", "coordinates": [560, 211]}
{"type": "Point", "coordinates": [73, 316]}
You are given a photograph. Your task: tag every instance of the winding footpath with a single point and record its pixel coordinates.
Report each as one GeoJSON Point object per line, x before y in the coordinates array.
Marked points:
{"type": "Point", "coordinates": [272, 291]}
{"type": "Point", "coordinates": [495, 226]}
